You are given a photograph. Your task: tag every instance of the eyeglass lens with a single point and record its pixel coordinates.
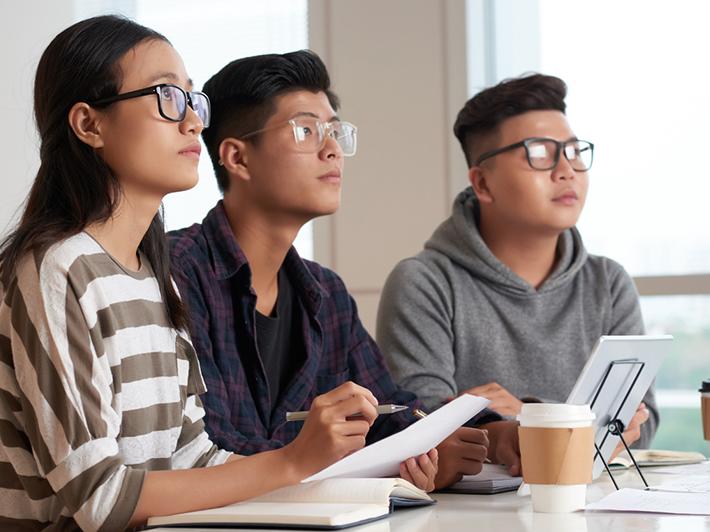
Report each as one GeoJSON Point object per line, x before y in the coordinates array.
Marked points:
{"type": "Point", "coordinates": [173, 104]}
{"type": "Point", "coordinates": [544, 154]}
{"type": "Point", "coordinates": [310, 134]}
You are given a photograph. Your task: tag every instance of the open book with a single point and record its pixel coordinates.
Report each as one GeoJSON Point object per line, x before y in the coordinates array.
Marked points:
{"type": "Point", "coordinates": [492, 479]}
{"type": "Point", "coordinates": [655, 458]}
{"type": "Point", "coordinates": [327, 504]}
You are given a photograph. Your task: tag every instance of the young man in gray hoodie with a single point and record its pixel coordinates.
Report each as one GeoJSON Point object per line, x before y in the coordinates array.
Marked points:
{"type": "Point", "coordinates": [504, 301]}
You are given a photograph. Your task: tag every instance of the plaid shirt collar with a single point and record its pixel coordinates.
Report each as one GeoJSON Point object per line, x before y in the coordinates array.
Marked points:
{"type": "Point", "coordinates": [228, 260]}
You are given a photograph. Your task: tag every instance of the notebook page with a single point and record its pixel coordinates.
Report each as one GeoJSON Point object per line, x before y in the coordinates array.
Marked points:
{"type": "Point", "coordinates": [351, 490]}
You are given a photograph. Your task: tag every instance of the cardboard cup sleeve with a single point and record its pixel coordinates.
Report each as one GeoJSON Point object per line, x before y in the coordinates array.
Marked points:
{"type": "Point", "coordinates": [557, 455]}
{"type": "Point", "coordinates": [705, 408]}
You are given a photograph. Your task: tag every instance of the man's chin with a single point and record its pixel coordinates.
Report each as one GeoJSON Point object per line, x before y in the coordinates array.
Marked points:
{"type": "Point", "coordinates": [325, 209]}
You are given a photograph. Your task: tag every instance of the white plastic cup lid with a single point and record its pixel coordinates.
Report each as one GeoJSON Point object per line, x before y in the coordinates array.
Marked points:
{"type": "Point", "coordinates": [533, 413]}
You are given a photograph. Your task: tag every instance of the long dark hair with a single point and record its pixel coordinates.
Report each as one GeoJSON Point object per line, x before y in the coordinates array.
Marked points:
{"type": "Point", "coordinates": [74, 187]}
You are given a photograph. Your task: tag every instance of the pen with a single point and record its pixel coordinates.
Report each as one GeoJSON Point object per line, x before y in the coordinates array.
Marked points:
{"type": "Point", "coordinates": [421, 415]}
{"type": "Point", "coordinates": [381, 409]}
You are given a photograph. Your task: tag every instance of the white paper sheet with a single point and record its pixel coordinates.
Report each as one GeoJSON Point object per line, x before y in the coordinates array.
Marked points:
{"type": "Point", "coordinates": [664, 502]}
{"type": "Point", "coordinates": [685, 484]}
{"type": "Point", "coordinates": [382, 458]}
{"type": "Point", "coordinates": [703, 468]}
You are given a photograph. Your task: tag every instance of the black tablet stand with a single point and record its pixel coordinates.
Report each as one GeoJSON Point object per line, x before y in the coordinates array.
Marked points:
{"type": "Point", "coordinates": [615, 427]}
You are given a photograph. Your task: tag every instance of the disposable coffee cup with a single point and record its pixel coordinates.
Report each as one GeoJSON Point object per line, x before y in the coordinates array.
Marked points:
{"type": "Point", "coordinates": [557, 453]}
{"type": "Point", "coordinates": [705, 408]}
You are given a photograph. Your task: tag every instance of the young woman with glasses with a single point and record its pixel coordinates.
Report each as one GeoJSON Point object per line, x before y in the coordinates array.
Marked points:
{"type": "Point", "coordinates": [100, 417]}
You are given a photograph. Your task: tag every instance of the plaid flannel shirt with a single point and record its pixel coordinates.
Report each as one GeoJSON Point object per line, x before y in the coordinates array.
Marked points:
{"type": "Point", "coordinates": [214, 279]}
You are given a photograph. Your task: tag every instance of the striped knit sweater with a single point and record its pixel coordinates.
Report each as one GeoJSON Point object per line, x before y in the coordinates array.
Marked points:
{"type": "Point", "coordinates": [96, 388]}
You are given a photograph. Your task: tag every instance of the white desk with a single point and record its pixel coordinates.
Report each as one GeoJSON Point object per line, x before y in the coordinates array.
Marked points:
{"type": "Point", "coordinates": [506, 512]}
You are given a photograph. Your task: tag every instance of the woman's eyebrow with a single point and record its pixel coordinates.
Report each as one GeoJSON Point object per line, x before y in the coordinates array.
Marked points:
{"type": "Point", "coordinates": [171, 76]}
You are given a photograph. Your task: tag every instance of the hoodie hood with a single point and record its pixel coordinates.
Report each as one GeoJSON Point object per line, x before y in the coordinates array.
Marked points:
{"type": "Point", "coordinates": [459, 240]}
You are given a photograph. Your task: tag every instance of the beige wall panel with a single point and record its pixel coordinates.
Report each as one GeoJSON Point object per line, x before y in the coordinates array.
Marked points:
{"type": "Point", "coordinates": [367, 302]}
{"type": "Point", "coordinates": [400, 69]}
{"type": "Point", "coordinates": [388, 65]}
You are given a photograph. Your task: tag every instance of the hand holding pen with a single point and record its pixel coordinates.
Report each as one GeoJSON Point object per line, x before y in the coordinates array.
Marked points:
{"type": "Point", "coordinates": [344, 417]}
{"type": "Point", "coordinates": [336, 426]}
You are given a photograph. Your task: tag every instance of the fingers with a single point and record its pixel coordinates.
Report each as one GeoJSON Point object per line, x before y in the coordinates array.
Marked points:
{"type": "Point", "coordinates": [643, 415]}
{"type": "Point", "coordinates": [359, 407]}
{"type": "Point", "coordinates": [404, 473]}
{"type": "Point", "coordinates": [345, 391]}
{"type": "Point", "coordinates": [632, 434]}
{"type": "Point", "coordinates": [434, 456]}
{"type": "Point", "coordinates": [418, 476]}
{"type": "Point", "coordinates": [506, 447]}
{"type": "Point", "coordinates": [506, 408]}
{"type": "Point", "coordinates": [356, 406]}
{"type": "Point", "coordinates": [353, 443]}
{"type": "Point", "coordinates": [471, 435]}
{"type": "Point", "coordinates": [485, 388]}
{"type": "Point", "coordinates": [619, 447]}
{"type": "Point", "coordinates": [639, 418]}
{"type": "Point", "coordinates": [421, 470]}
{"type": "Point", "coordinates": [354, 427]}
{"type": "Point", "coordinates": [507, 455]}
{"type": "Point", "coordinates": [429, 467]}
{"type": "Point", "coordinates": [502, 401]}
{"type": "Point", "coordinates": [464, 451]}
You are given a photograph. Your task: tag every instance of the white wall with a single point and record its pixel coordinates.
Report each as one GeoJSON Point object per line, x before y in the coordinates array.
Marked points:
{"type": "Point", "coordinates": [26, 29]}
{"type": "Point", "coordinates": [400, 70]}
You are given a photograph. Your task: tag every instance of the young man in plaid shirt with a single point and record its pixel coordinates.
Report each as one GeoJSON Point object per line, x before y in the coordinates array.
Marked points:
{"type": "Point", "coordinates": [273, 330]}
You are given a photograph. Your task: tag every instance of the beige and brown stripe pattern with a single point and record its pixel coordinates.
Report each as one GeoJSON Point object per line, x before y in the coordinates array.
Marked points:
{"type": "Point", "coordinates": [95, 389]}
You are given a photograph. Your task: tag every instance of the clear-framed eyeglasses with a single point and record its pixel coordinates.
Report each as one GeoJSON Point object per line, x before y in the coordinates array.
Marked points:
{"type": "Point", "coordinates": [310, 134]}
{"type": "Point", "coordinates": [544, 153]}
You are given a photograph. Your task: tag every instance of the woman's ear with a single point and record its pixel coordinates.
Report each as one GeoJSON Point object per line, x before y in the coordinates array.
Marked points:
{"type": "Point", "coordinates": [85, 122]}
{"type": "Point", "coordinates": [233, 157]}
{"type": "Point", "coordinates": [478, 178]}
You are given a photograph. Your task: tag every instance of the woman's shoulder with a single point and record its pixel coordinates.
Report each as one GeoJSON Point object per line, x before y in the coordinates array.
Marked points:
{"type": "Point", "coordinates": [54, 259]}
{"type": "Point", "coordinates": [78, 262]}
{"type": "Point", "coordinates": [64, 253]}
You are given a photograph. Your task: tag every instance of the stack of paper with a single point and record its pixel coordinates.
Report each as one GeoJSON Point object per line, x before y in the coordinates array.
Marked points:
{"type": "Point", "coordinates": [492, 479]}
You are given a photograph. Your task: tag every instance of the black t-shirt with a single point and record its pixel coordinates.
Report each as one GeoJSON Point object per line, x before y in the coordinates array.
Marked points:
{"type": "Point", "coordinates": [279, 339]}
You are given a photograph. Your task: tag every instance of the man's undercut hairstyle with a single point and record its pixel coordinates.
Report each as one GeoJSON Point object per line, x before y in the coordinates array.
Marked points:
{"type": "Point", "coordinates": [243, 95]}
{"type": "Point", "coordinates": [482, 114]}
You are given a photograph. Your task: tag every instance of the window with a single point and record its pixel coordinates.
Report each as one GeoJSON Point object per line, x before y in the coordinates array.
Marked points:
{"type": "Point", "coordinates": [638, 91]}
{"type": "Point", "coordinates": [209, 35]}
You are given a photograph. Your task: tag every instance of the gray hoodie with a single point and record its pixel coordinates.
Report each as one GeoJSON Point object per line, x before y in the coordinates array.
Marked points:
{"type": "Point", "coordinates": [454, 317]}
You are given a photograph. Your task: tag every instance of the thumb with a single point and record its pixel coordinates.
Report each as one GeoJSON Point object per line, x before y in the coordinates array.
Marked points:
{"type": "Point", "coordinates": [509, 457]}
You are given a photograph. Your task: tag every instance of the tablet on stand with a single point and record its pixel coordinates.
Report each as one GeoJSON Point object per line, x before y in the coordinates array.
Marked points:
{"type": "Point", "coordinates": [613, 382]}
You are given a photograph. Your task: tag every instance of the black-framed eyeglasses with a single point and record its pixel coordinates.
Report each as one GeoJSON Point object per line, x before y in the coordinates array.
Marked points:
{"type": "Point", "coordinates": [310, 134]}
{"type": "Point", "coordinates": [172, 101]}
{"type": "Point", "coordinates": [544, 153]}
